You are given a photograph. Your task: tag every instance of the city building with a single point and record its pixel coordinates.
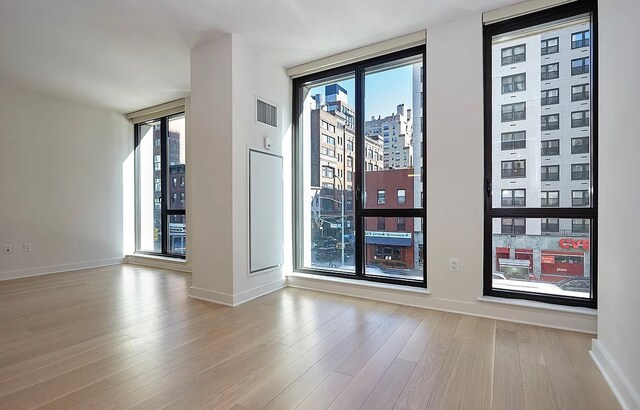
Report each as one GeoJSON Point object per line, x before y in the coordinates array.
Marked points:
{"type": "Point", "coordinates": [541, 151]}
{"type": "Point", "coordinates": [395, 130]}
{"type": "Point", "coordinates": [390, 240]}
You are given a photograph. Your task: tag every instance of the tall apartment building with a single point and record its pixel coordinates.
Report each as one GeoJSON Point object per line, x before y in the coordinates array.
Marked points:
{"type": "Point", "coordinates": [541, 148]}
{"type": "Point", "coordinates": [396, 132]}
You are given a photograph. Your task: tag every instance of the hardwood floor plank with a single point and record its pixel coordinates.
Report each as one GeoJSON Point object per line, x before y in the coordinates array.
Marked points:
{"type": "Point", "coordinates": [478, 384]}
{"type": "Point", "coordinates": [323, 395]}
{"type": "Point", "coordinates": [529, 344]}
{"type": "Point", "coordinates": [421, 384]}
{"type": "Point", "coordinates": [508, 392]}
{"type": "Point", "coordinates": [388, 389]}
{"type": "Point", "coordinates": [420, 338]}
{"type": "Point", "coordinates": [538, 391]}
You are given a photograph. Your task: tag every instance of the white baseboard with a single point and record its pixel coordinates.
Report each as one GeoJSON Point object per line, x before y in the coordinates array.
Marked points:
{"type": "Point", "coordinates": [159, 262]}
{"type": "Point", "coordinates": [211, 296]}
{"type": "Point", "coordinates": [46, 270]}
{"type": "Point", "coordinates": [247, 295]}
{"type": "Point", "coordinates": [239, 298]}
{"type": "Point", "coordinates": [421, 298]}
{"type": "Point", "coordinates": [627, 397]}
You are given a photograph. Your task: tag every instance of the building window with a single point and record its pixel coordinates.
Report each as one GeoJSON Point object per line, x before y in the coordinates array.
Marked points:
{"type": "Point", "coordinates": [580, 92]}
{"type": "Point", "coordinates": [533, 249]}
{"type": "Point", "coordinates": [549, 46]}
{"type": "Point", "coordinates": [401, 196]}
{"type": "Point", "coordinates": [550, 199]}
{"type": "Point", "coordinates": [514, 83]}
{"type": "Point", "coordinates": [580, 198]}
{"type": "Point", "coordinates": [514, 197]}
{"type": "Point", "coordinates": [580, 39]}
{"type": "Point", "coordinates": [330, 140]}
{"type": "Point", "coordinates": [550, 147]}
{"type": "Point", "coordinates": [160, 215]}
{"type": "Point", "coordinates": [579, 172]}
{"type": "Point", "coordinates": [550, 225]}
{"type": "Point", "coordinates": [550, 122]}
{"type": "Point", "coordinates": [550, 97]}
{"type": "Point", "coordinates": [549, 71]}
{"type": "Point", "coordinates": [514, 169]}
{"type": "Point", "coordinates": [514, 112]}
{"type": "Point", "coordinates": [580, 145]}
{"type": "Point", "coordinates": [513, 140]}
{"type": "Point", "coordinates": [580, 66]}
{"type": "Point", "coordinates": [580, 225]}
{"type": "Point", "coordinates": [579, 119]}
{"type": "Point", "coordinates": [365, 239]}
{"type": "Point", "coordinates": [515, 54]}
{"type": "Point", "coordinates": [514, 226]}
{"type": "Point", "coordinates": [550, 173]}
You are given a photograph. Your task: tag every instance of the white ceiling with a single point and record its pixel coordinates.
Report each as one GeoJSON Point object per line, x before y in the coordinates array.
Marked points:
{"type": "Point", "coordinates": [130, 54]}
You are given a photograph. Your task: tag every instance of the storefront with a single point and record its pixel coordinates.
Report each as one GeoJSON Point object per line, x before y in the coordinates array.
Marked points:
{"type": "Point", "coordinates": [390, 249]}
{"type": "Point", "coordinates": [546, 258]}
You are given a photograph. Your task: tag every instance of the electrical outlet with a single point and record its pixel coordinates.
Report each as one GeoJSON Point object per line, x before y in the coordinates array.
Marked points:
{"type": "Point", "coordinates": [8, 248]}
{"type": "Point", "coordinates": [454, 265]}
{"type": "Point", "coordinates": [27, 247]}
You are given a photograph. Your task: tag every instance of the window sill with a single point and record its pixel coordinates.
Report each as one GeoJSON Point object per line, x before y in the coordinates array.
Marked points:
{"type": "Point", "coordinates": [539, 305]}
{"type": "Point", "coordinates": [362, 283]}
{"type": "Point", "coordinates": [163, 262]}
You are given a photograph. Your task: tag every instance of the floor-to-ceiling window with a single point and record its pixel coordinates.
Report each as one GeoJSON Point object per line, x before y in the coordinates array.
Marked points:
{"type": "Point", "coordinates": [160, 186]}
{"type": "Point", "coordinates": [359, 147]}
{"type": "Point", "coordinates": [541, 156]}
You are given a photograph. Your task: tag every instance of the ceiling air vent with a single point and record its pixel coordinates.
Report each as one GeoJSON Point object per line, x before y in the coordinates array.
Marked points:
{"type": "Point", "coordinates": [267, 113]}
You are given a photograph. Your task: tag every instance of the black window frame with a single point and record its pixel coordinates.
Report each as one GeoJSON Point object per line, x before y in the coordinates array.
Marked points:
{"type": "Point", "coordinates": [511, 81]}
{"type": "Point", "coordinates": [512, 169]}
{"type": "Point", "coordinates": [165, 210]}
{"type": "Point", "coordinates": [545, 99]}
{"type": "Point", "coordinates": [360, 211]}
{"type": "Point", "coordinates": [583, 121]}
{"type": "Point", "coordinates": [549, 150]}
{"type": "Point", "coordinates": [512, 197]}
{"type": "Point", "coordinates": [587, 146]}
{"type": "Point", "coordinates": [515, 229]}
{"type": "Point", "coordinates": [544, 50]}
{"type": "Point", "coordinates": [583, 68]}
{"type": "Point", "coordinates": [511, 143]}
{"type": "Point", "coordinates": [549, 225]}
{"type": "Point", "coordinates": [590, 214]}
{"type": "Point", "coordinates": [545, 200]}
{"type": "Point", "coordinates": [544, 176]}
{"type": "Point", "coordinates": [582, 95]}
{"type": "Point", "coordinates": [545, 73]}
{"type": "Point", "coordinates": [513, 54]}
{"type": "Point", "coordinates": [544, 122]}
{"type": "Point", "coordinates": [584, 174]}
{"type": "Point", "coordinates": [583, 42]}
{"type": "Point", "coordinates": [511, 114]}
{"type": "Point", "coordinates": [583, 200]}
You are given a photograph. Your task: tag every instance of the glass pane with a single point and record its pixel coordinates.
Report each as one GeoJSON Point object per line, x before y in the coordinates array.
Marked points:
{"type": "Point", "coordinates": [551, 136]}
{"type": "Point", "coordinates": [149, 172]}
{"type": "Point", "coordinates": [393, 133]}
{"type": "Point", "coordinates": [549, 256]}
{"type": "Point", "coordinates": [394, 248]}
{"type": "Point", "coordinates": [177, 226]}
{"type": "Point", "coordinates": [327, 136]}
{"type": "Point", "coordinates": [176, 163]}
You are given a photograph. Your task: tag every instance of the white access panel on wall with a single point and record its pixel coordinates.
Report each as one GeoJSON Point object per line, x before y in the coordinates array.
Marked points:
{"type": "Point", "coordinates": [265, 211]}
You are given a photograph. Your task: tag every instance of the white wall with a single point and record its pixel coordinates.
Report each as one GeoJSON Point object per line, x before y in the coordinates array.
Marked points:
{"type": "Point", "coordinates": [226, 77]}
{"type": "Point", "coordinates": [618, 348]}
{"type": "Point", "coordinates": [455, 215]}
{"type": "Point", "coordinates": [210, 166]}
{"type": "Point", "coordinates": [61, 182]}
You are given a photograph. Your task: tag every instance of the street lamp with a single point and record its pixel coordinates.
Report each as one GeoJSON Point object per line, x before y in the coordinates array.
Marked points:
{"type": "Point", "coordinates": [341, 213]}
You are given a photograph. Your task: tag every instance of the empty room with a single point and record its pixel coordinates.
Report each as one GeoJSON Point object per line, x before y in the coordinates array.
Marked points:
{"type": "Point", "coordinates": [285, 204]}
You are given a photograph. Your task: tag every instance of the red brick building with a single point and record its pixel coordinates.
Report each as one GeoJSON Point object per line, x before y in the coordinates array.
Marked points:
{"type": "Point", "coordinates": [389, 240]}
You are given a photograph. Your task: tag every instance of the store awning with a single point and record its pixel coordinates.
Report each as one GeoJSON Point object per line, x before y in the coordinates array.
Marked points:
{"type": "Point", "coordinates": [374, 240]}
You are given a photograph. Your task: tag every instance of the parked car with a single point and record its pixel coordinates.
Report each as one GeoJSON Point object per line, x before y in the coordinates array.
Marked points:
{"type": "Point", "coordinates": [575, 284]}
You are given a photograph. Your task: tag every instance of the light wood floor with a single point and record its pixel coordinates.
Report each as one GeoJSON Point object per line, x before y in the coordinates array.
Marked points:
{"type": "Point", "coordinates": [125, 336]}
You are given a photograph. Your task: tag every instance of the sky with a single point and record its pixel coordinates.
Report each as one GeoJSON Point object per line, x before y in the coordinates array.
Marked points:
{"type": "Point", "coordinates": [384, 91]}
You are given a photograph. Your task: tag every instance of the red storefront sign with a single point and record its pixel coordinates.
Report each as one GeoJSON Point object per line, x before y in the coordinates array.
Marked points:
{"type": "Point", "coordinates": [569, 243]}
{"type": "Point", "coordinates": [548, 259]}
